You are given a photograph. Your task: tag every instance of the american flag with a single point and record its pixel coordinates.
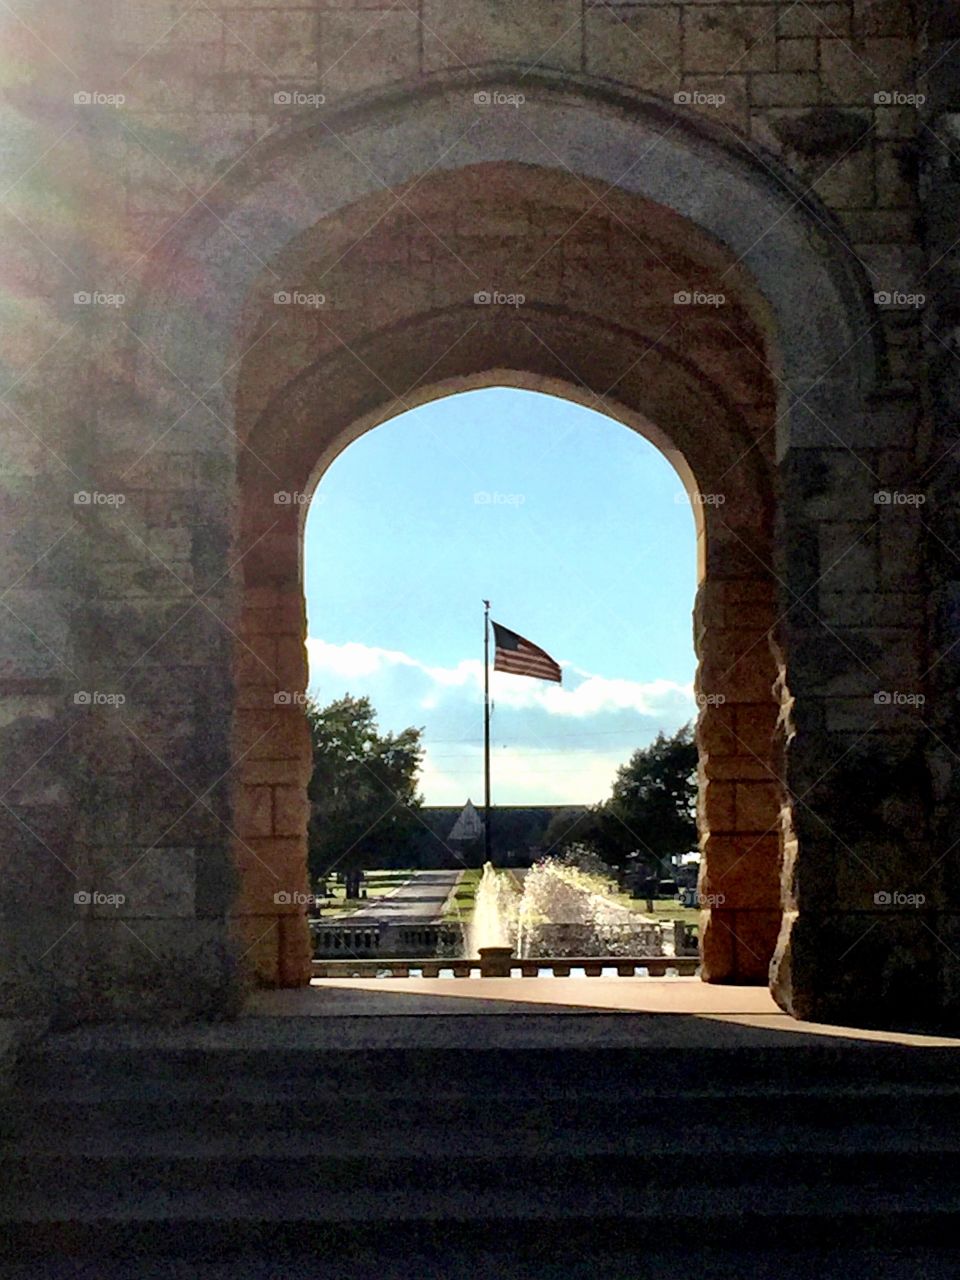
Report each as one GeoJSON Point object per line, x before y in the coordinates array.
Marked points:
{"type": "Point", "coordinates": [520, 657]}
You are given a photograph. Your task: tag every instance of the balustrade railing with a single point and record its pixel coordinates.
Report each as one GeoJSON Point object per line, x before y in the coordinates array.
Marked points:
{"type": "Point", "coordinates": [554, 943]}
{"type": "Point", "coordinates": [560, 967]}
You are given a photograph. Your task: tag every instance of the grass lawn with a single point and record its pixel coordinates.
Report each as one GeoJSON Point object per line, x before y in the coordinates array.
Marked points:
{"type": "Point", "coordinates": [663, 908]}
{"type": "Point", "coordinates": [377, 884]}
{"type": "Point", "coordinates": [460, 905]}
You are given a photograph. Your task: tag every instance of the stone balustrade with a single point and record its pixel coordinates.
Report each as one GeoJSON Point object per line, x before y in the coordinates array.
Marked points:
{"type": "Point", "coordinates": [591, 966]}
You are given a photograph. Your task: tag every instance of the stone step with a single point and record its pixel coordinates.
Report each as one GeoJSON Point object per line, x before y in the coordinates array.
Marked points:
{"type": "Point", "coordinates": [360, 1262]}
{"type": "Point", "coordinates": [596, 1201]}
{"type": "Point", "coordinates": [247, 1107]}
{"type": "Point", "coordinates": [530, 1178]}
{"type": "Point", "coordinates": [668, 1137]}
{"type": "Point", "coordinates": [761, 1212]}
{"type": "Point", "coordinates": [501, 1071]}
{"type": "Point", "coordinates": [88, 1086]}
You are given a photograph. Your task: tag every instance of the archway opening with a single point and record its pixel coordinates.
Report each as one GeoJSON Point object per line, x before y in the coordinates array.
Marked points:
{"type": "Point", "coordinates": [582, 534]}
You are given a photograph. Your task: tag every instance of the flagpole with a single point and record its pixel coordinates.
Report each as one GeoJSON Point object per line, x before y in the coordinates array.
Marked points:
{"type": "Point", "coordinates": [486, 731]}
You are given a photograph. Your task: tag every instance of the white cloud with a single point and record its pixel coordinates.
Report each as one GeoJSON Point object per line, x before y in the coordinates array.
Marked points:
{"type": "Point", "coordinates": [563, 742]}
{"type": "Point", "coordinates": [351, 659]}
{"type": "Point", "coordinates": [591, 695]}
{"type": "Point", "coordinates": [520, 775]}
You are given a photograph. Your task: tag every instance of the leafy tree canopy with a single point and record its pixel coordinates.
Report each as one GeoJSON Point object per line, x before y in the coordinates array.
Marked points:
{"type": "Point", "coordinates": [363, 793]}
{"type": "Point", "coordinates": [652, 810]}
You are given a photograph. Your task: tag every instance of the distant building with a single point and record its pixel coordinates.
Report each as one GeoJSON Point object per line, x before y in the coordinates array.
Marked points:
{"type": "Point", "coordinates": [469, 824]}
{"type": "Point", "coordinates": [516, 835]}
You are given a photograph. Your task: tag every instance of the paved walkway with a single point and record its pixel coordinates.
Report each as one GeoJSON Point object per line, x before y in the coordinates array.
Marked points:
{"type": "Point", "coordinates": [591, 1011]}
{"type": "Point", "coordinates": [418, 901]}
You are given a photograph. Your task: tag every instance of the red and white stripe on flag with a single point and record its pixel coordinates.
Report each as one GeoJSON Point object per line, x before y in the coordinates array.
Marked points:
{"type": "Point", "coordinates": [519, 657]}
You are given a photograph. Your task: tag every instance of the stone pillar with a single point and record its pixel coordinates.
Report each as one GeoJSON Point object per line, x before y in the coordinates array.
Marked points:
{"type": "Point", "coordinates": [115, 876]}
{"type": "Point", "coordinates": [273, 758]}
{"type": "Point", "coordinates": [857, 943]}
{"type": "Point", "coordinates": [738, 797]}
{"type": "Point", "coordinates": [43, 946]}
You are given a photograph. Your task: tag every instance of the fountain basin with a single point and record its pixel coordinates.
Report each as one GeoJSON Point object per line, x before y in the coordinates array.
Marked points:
{"type": "Point", "coordinates": [495, 961]}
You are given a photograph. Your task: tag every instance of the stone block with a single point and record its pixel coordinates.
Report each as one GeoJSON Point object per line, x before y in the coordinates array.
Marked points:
{"type": "Point", "coordinates": [897, 174]}
{"type": "Point", "coordinates": [38, 867]}
{"type": "Point", "coordinates": [898, 542]}
{"type": "Point", "coordinates": [785, 89]}
{"type": "Point", "coordinates": [527, 33]}
{"type": "Point", "coordinates": [33, 636]}
{"type": "Point", "coordinates": [364, 48]}
{"type": "Point", "coordinates": [838, 486]}
{"type": "Point", "coordinates": [815, 20]}
{"type": "Point", "coordinates": [256, 661]}
{"type": "Point", "coordinates": [254, 812]}
{"type": "Point", "coordinates": [267, 598]}
{"type": "Point", "coordinates": [272, 873]}
{"type": "Point", "coordinates": [737, 946]}
{"type": "Point", "coordinates": [149, 969]}
{"type": "Point", "coordinates": [291, 811]}
{"type": "Point", "coordinates": [275, 951]}
{"type": "Point", "coordinates": [286, 617]}
{"type": "Point", "coordinates": [758, 806]}
{"type": "Point", "coordinates": [848, 556]}
{"type": "Point", "coordinates": [271, 735]}
{"type": "Point", "coordinates": [741, 871]}
{"type": "Point", "coordinates": [154, 882]}
{"type": "Point", "coordinates": [797, 55]}
{"type": "Point", "coordinates": [873, 875]}
{"type": "Point", "coordinates": [755, 725]}
{"type": "Point", "coordinates": [640, 47]}
{"type": "Point", "coordinates": [293, 771]}
{"type": "Point", "coordinates": [717, 807]}
{"type": "Point", "coordinates": [871, 608]}
{"type": "Point", "coordinates": [291, 668]}
{"type": "Point", "coordinates": [741, 768]}
{"type": "Point", "coordinates": [896, 122]}
{"type": "Point", "coordinates": [855, 72]}
{"type": "Point", "coordinates": [728, 38]}
{"type": "Point", "coordinates": [739, 679]}
{"type": "Point", "coordinates": [256, 938]}
{"type": "Point", "coordinates": [175, 816]}
{"type": "Point", "coordinates": [847, 182]}
{"type": "Point", "coordinates": [879, 226]}
{"type": "Point", "coordinates": [294, 952]}
{"type": "Point", "coordinates": [255, 697]}
{"type": "Point", "coordinates": [715, 726]}
{"type": "Point", "coordinates": [717, 949]}
{"type": "Point", "coordinates": [883, 18]}
{"type": "Point", "coordinates": [852, 716]}
{"type": "Point", "coordinates": [280, 42]}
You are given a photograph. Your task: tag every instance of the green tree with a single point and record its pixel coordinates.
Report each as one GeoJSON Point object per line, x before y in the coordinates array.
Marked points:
{"type": "Point", "coordinates": [653, 807]}
{"type": "Point", "coordinates": [571, 826]}
{"type": "Point", "coordinates": [363, 792]}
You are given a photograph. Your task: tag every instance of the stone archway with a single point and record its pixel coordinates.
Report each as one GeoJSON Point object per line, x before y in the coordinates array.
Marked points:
{"type": "Point", "coordinates": [786, 373]}
{"type": "Point", "coordinates": [320, 373]}
{"type": "Point", "coordinates": [740, 756]}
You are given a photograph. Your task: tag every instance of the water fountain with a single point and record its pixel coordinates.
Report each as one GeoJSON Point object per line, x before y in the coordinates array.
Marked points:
{"type": "Point", "coordinates": [492, 933]}
{"type": "Point", "coordinates": [563, 910]}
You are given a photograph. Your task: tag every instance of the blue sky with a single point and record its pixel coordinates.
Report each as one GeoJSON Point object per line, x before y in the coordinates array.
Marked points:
{"type": "Point", "coordinates": [579, 533]}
